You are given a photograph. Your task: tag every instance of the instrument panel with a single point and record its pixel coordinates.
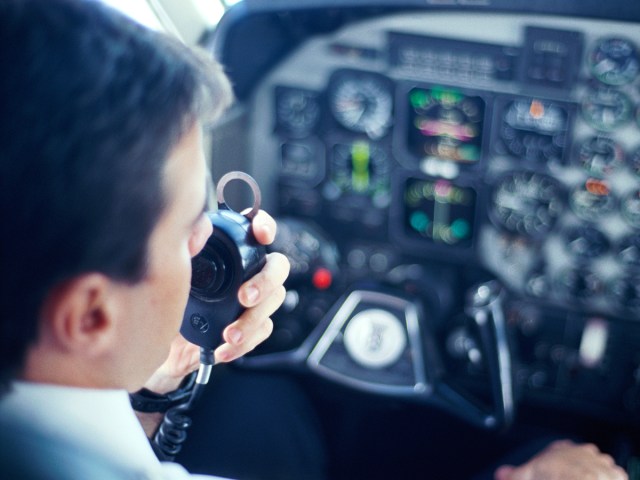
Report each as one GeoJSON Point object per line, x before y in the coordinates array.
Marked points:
{"type": "Point", "coordinates": [468, 147]}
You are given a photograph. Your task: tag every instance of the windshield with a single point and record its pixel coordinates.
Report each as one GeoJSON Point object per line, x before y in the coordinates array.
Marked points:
{"type": "Point", "coordinates": [149, 12]}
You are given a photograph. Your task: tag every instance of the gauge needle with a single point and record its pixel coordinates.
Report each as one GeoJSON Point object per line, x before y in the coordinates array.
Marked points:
{"type": "Point", "coordinates": [603, 66]}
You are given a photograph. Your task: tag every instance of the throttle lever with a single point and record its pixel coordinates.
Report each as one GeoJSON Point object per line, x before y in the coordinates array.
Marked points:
{"type": "Point", "coordinates": [484, 304]}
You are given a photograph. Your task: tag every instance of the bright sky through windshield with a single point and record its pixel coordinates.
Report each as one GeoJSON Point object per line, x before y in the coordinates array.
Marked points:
{"type": "Point", "coordinates": [139, 10]}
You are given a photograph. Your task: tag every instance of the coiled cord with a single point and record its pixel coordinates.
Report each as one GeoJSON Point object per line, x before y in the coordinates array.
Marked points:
{"type": "Point", "coordinates": [172, 433]}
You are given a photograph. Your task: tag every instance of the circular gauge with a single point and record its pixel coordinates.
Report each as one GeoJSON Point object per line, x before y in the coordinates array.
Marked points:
{"type": "Point", "coordinates": [536, 115]}
{"type": "Point", "coordinates": [614, 61]}
{"type": "Point", "coordinates": [606, 109]}
{"type": "Point", "coordinates": [302, 159]}
{"type": "Point", "coordinates": [580, 283]}
{"type": "Point", "coordinates": [361, 102]}
{"type": "Point", "coordinates": [360, 168]}
{"type": "Point", "coordinates": [593, 200]}
{"type": "Point", "coordinates": [633, 160]}
{"type": "Point", "coordinates": [600, 156]}
{"type": "Point", "coordinates": [534, 130]}
{"type": "Point", "coordinates": [586, 242]}
{"type": "Point", "coordinates": [630, 207]}
{"type": "Point", "coordinates": [629, 250]}
{"type": "Point", "coordinates": [527, 203]}
{"type": "Point", "coordinates": [297, 111]}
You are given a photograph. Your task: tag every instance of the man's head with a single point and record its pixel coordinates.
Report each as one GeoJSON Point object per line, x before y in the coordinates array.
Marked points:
{"type": "Point", "coordinates": [93, 111]}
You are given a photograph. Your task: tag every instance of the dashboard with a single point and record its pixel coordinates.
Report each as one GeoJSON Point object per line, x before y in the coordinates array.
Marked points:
{"type": "Point", "coordinates": [418, 160]}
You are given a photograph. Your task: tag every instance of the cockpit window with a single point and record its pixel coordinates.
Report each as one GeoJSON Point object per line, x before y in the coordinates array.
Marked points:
{"type": "Point", "coordinates": [152, 13]}
{"type": "Point", "coordinates": [139, 10]}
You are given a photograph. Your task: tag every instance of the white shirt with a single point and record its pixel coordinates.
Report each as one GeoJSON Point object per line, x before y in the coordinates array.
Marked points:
{"type": "Point", "coordinates": [100, 420]}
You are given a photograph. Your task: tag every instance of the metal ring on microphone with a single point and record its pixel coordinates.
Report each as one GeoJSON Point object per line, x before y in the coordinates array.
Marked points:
{"type": "Point", "coordinates": [249, 180]}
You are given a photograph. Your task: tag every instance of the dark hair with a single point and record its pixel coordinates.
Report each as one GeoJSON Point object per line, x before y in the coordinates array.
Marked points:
{"type": "Point", "coordinates": [91, 105]}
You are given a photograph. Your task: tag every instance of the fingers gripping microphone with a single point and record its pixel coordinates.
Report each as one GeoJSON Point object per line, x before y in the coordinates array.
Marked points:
{"type": "Point", "coordinates": [230, 257]}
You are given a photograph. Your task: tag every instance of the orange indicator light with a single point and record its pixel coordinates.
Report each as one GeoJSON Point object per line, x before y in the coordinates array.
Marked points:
{"type": "Point", "coordinates": [597, 187]}
{"type": "Point", "coordinates": [536, 109]}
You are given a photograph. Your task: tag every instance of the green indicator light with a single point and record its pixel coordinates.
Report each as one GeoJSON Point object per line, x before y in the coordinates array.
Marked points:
{"type": "Point", "coordinates": [447, 97]}
{"type": "Point", "coordinates": [419, 221]}
{"type": "Point", "coordinates": [360, 156]}
{"type": "Point", "coordinates": [419, 98]}
{"type": "Point", "coordinates": [469, 153]}
{"type": "Point", "coordinates": [460, 228]}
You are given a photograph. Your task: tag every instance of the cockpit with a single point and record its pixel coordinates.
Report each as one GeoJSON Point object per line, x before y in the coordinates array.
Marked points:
{"type": "Point", "coordinates": [456, 185]}
{"type": "Point", "coordinates": [457, 188]}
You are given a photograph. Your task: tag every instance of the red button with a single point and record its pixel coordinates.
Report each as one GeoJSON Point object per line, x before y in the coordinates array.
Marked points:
{"type": "Point", "coordinates": [322, 279]}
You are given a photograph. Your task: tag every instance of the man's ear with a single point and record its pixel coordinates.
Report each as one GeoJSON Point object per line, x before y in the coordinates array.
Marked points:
{"type": "Point", "coordinates": [77, 317]}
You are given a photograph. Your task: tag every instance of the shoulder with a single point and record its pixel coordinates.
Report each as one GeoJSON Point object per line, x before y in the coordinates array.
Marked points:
{"type": "Point", "coordinates": [29, 453]}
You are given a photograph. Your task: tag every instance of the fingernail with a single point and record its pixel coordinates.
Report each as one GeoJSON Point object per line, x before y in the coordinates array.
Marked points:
{"type": "Point", "coordinates": [235, 335]}
{"type": "Point", "coordinates": [252, 294]}
{"type": "Point", "coordinates": [265, 227]}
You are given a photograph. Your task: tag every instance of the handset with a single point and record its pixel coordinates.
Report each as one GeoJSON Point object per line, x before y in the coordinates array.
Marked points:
{"type": "Point", "coordinates": [229, 258]}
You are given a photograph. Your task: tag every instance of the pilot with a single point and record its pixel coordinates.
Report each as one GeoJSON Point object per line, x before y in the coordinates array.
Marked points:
{"type": "Point", "coordinates": [102, 200]}
{"type": "Point", "coordinates": [103, 194]}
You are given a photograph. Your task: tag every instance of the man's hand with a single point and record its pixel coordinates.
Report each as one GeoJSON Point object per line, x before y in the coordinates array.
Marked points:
{"type": "Point", "coordinates": [261, 295]}
{"type": "Point", "coordinates": [184, 358]}
{"type": "Point", "coordinates": [565, 460]}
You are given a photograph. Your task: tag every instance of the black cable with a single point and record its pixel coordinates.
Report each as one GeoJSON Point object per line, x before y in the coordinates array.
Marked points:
{"type": "Point", "coordinates": [172, 433]}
